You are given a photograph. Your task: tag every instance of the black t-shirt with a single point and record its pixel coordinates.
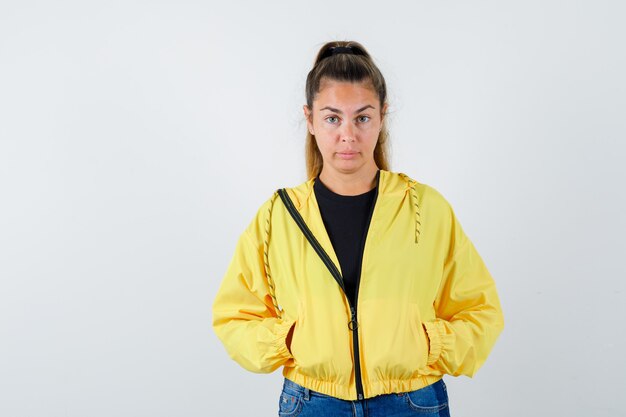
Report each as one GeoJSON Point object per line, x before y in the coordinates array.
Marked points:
{"type": "Point", "coordinates": [346, 219]}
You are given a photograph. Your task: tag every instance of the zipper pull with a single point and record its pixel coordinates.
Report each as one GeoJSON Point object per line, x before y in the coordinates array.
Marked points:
{"type": "Point", "coordinates": [353, 324]}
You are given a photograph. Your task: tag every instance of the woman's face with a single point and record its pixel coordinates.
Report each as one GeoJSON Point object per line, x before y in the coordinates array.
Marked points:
{"type": "Point", "coordinates": [346, 119]}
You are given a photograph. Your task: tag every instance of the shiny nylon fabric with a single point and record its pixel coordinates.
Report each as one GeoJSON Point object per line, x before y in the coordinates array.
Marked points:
{"type": "Point", "coordinates": [427, 304]}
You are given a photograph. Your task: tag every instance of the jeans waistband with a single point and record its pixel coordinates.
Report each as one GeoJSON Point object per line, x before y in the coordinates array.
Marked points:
{"type": "Point", "coordinates": [294, 388]}
{"type": "Point", "coordinates": [289, 385]}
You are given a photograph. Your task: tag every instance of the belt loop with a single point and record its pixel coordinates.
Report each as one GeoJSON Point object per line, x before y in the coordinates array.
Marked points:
{"type": "Point", "coordinates": [306, 394]}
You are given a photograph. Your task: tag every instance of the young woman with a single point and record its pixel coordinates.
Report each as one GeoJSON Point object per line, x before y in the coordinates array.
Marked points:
{"type": "Point", "coordinates": [359, 282]}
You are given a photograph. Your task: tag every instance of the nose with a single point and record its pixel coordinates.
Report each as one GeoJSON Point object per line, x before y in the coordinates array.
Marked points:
{"type": "Point", "coordinates": [347, 132]}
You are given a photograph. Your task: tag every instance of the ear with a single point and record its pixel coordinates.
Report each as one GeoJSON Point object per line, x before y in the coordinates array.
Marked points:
{"type": "Point", "coordinates": [309, 120]}
{"type": "Point", "coordinates": [383, 112]}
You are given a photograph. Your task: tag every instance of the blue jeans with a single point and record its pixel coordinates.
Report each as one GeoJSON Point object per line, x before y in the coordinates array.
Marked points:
{"type": "Point", "coordinates": [297, 401]}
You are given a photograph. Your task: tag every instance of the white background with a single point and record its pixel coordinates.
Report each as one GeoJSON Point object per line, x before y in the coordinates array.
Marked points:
{"type": "Point", "coordinates": [138, 139]}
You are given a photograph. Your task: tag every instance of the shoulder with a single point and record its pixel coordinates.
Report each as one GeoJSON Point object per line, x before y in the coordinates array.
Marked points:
{"type": "Point", "coordinates": [428, 196]}
{"type": "Point", "coordinates": [257, 226]}
{"type": "Point", "coordinates": [437, 217]}
{"type": "Point", "coordinates": [260, 224]}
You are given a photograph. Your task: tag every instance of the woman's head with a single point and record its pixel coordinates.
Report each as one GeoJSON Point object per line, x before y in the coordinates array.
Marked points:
{"type": "Point", "coordinates": [346, 102]}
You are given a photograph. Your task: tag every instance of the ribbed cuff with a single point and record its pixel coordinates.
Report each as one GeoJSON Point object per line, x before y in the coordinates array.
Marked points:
{"type": "Point", "coordinates": [435, 330]}
{"type": "Point", "coordinates": [280, 342]}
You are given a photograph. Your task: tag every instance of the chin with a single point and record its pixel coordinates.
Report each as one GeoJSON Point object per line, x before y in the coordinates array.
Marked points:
{"type": "Point", "coordinates": [348, 168]}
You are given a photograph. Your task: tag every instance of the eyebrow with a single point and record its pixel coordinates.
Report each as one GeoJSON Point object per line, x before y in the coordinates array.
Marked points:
{"type": "Point", "coordinates": [340, 112]}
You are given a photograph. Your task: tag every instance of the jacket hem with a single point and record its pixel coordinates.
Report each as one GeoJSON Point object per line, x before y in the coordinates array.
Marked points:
{"type": "Point", "coordinates": [371, 388]}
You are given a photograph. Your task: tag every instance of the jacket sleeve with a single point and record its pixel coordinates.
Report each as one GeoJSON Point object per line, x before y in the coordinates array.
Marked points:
{"type": "Point", "coordinates": [244, 316]}
{"type": "Point", "coordinates": [469, 317]}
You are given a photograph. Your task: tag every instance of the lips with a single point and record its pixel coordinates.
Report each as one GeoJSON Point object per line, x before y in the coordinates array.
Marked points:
{"type": "Point", "coordinates": [347, 155]}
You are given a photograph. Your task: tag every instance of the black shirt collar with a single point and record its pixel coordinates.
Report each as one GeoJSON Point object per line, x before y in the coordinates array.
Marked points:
{"type": "Point", "coordinates": [323, 191]}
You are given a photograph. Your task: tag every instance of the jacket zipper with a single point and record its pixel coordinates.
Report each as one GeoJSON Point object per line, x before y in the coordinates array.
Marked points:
{"type": "Point", "coordinates": [353, 324]}
{"type": "Point", "coordinates": [355, 339]}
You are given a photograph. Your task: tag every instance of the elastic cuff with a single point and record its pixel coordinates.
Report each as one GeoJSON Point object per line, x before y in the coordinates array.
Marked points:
{"type": "Point", "coordinates": [435, 330]}
{"type": "Point", "coordinates": [280, 342]}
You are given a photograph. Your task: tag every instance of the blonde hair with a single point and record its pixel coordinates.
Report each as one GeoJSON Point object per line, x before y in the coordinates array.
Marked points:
{"type": "Point", "coordinates": [352, 67]}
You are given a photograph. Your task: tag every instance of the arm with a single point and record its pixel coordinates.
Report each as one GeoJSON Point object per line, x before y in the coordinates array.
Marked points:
{"type": "Point", "coordinates": [469, 315]}
{"type": "Point", "coordinates": [244, 316]}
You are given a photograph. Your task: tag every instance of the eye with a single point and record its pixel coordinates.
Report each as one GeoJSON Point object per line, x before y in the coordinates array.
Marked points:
{"type": "Point", "coordinates": [332, 119]}
{"type": "Point", "coordinates": [363, 119]}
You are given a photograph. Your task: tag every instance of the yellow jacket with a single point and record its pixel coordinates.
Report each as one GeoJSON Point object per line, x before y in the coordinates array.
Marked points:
{"type": "Point", "coordinates": [427, 305]}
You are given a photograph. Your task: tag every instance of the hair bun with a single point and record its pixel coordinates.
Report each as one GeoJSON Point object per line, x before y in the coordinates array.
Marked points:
{"type": "Point", "coordinates": [336, 50]}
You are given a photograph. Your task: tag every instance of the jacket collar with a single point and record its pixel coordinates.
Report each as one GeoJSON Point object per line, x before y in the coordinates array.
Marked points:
{"type": "Point", "coordinates": [390, 185]}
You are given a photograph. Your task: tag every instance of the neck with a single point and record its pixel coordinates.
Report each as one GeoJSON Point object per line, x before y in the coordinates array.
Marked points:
{"type": "Point", "coordinates": [350, 184]}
